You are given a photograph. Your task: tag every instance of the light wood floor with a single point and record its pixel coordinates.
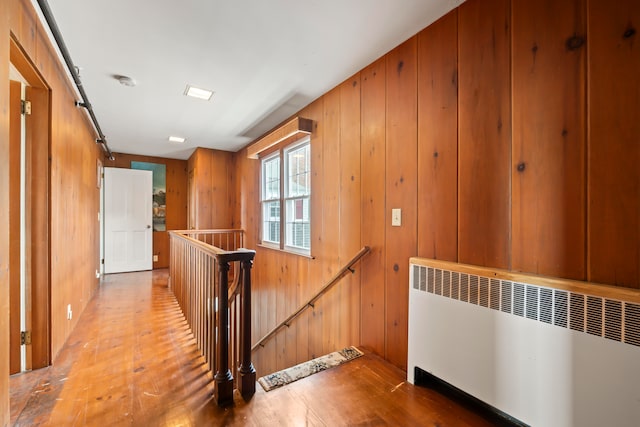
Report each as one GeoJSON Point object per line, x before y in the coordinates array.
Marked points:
{"type": "Point", "coordinates": [131, 361]}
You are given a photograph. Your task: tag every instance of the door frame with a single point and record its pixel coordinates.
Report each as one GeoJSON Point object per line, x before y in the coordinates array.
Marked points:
{"type": "Point", "coordinates": [37, 212]}
{"type": "Point", "coordinates": [110, 265]}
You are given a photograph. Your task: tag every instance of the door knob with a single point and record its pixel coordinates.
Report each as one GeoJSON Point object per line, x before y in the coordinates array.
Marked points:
{"type": "Point", "coordinates": [148, 226]}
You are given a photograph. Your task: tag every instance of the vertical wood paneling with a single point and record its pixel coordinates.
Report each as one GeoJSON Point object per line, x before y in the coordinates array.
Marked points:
{"type": "Point", "coordinates": [281, 291]}
{"type": "Point", "coordinates": [5, 12]}
{"type": "Point", "coordinates": [403, 124]}
{"type": "Point", "coordinates": [372, 223]}
{"type": "Point", "coordinates": [484, 125]}
{"type": "Point", "coordinates": [549, 138]}
{"type": "Point", "coordinates": [266, 296]}
{"type": "Point", "coordinates": [331, 328]}
{"type": "Point", "coordinates": [314, 317]}
{"type": "Point", "coordinates": [38, 201]}
{"type": "Point", "coordinates": [212, 187]}
{"type": "Point", "coordinates": [614, 151]}
{"type": "Point", "coordinates": [350, 214]}
{"type": "Point", "coordinates": [176, 213]}
{"type": "Point", "coordinates": [302, 324]}
{"type": "Point", "coordinates": [401, 189]}
{"type": "Point", "coordinates": [74, 202]}
{"type": "Point", "coordinates": [438, 139]}
{"type": "Point", "coordinates": [292, 277]}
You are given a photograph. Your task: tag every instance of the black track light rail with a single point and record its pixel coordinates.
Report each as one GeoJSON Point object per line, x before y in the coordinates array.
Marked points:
{"type": "Point", "coordinates": [48, 16]}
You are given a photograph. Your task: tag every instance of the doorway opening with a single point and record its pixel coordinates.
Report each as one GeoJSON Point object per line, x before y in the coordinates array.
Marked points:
{"type": "Point", "coordinates": [29, 216]}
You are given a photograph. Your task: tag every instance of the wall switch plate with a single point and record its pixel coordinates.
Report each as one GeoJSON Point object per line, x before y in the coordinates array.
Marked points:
{"type": "Point", "coordinates": [155, 258]}
{"type": "Point", "coordinates": [396, 217]}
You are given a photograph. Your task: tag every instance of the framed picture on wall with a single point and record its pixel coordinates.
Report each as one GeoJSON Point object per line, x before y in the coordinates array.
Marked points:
{"type": "Point", "coordinates": [159, 192]}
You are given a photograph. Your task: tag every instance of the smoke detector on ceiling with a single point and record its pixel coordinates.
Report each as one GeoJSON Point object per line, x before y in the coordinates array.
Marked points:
{"type": "Point", "coordinates": [125, 80]}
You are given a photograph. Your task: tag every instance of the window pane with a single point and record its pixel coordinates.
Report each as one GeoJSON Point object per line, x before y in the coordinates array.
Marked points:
{"type": "Point", "coordinates": [298, 171]}
{"type": "Point", "coordinates": [298, 229]}
{"type": "Point", "coordinates": [271, 179]}
{"type": "Point", "coordinates": [271, 222]}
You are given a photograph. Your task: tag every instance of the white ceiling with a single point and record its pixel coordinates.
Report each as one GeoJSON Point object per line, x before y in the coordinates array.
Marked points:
{"type": "Point", "coordinates": [265, 60]}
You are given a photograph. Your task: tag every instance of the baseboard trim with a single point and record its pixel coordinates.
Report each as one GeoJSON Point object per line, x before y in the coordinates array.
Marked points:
{"type": "Point", "coordinates": [486, 411]}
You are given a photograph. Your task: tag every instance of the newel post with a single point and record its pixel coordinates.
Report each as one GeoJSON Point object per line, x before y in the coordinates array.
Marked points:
{"type": "Point", "coordinates": [247, 373]}
{"type": "Point", "coordinates": [224, 380]}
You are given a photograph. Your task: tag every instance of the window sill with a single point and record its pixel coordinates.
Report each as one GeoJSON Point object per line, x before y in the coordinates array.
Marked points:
{"type": "Point", "coordinates": [286, 251]}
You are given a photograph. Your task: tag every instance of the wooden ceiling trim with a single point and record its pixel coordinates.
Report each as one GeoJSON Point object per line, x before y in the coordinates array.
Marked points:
{"type": "Point", "coordinates": [293, 130]}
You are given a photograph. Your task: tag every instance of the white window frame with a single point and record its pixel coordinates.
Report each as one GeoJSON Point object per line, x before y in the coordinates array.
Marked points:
{"type": "Point", "coordinates": [266, 199]}
{"type": "Point", "coordinates": [285, 197]}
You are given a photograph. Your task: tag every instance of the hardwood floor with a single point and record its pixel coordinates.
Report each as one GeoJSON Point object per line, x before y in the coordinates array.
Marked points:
{"type": "Point", "coordinates": [132, 361]}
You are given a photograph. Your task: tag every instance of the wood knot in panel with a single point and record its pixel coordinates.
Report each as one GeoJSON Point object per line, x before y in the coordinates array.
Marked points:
{"type": "Point", "coordinates": [630, 32]}
{"type": "Point", "coordinates": [575, 42]}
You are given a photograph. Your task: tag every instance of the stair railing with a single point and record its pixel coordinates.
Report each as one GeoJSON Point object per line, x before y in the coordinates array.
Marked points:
{"type": "Point", "coordinates": [310, 302]}
{"type": "Point", "coordinates": [201, 262]}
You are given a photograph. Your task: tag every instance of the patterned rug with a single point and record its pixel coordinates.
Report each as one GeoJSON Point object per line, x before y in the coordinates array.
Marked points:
{"type": "Point", "coordinates": [294, 373]}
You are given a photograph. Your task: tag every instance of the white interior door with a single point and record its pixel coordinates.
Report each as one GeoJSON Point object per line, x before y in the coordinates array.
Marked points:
{"type": "Point", "coordinates": [128, 215]}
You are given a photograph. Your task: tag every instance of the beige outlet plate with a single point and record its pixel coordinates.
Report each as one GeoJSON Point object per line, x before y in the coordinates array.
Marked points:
{"type": "Point", "coordinates": [396, 217]}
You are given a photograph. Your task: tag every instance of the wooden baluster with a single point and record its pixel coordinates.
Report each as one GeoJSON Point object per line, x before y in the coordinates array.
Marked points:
{"type": "Point", "coordinates": [223, 378]}
{"type": "Point", "coordinates": [247, 373]}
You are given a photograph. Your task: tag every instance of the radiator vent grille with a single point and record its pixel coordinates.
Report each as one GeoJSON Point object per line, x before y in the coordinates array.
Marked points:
{"type": "Point", "coordinates": [576, 312]}
{"type": "Point", "coordinates": [430, 280]}
{"type": "Point", "coordinates": [455, 285]}
{"type": "Point", "coordinates": [532, 302]}
{"type": "Point", "coordinates": [464, 287]}
{"type": "Point", "coordinates": [632, 324]}
{"type": "Point", "coordinates": [546, 305]}
{"type": "Point", "coordinates": [518, 299]}
{"type": "Point", "coordinates": [561, 308]}
{"type": "Point", "coordinates": [495, 294]}
{"type": "Point", "coordinates": [506, 295]}
{"type": "Point", "coordinates": [613, 325]}
{"type": "Point", "coordinates": [446, 284]}
{"type": "Point", "coordinates": [607, 318]}
{"type": "Point", "coordinates": [484, 292]}
{"type": "Point", "coordinates": [594, 315]}
{"type": "Point", "coordinates": [438, 282]}
{"type": "Point", "coordinates": [473, 289]}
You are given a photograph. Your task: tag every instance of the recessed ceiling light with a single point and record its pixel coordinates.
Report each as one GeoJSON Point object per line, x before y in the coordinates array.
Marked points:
{"type": "Point", "coordinates": [199, 93]}
{"type": "Point", "coordinates": [176, 139]}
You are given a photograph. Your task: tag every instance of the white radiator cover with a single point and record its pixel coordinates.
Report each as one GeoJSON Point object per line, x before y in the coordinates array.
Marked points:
{"type": "Point", "coordinates": [538, 356]}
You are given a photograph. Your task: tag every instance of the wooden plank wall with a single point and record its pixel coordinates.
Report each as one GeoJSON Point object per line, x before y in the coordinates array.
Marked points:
{"type": "Point", "coordinates": [401, 192]}
{"type": "Point", "coordinates": [374, 214]}
{"type": "Point", "coordinates": [484, 133]}
{"type": "Point", "coordinates": [176, 214]}
{"type": "Point", "coordinates": [546, 175]}
{"type": "Point", "coordinates": [613, 151]}
{"type": "Point", "coordinates": [210, 197]}
{"type": "Point", "coordinates": [438, 140]}
{"type": "Point", "coordinates": [74, 196]}
{"type": "Point", "coordinates": [499, 138]}
{"type": "Point", "coordinates": [548, 172]}
{"type": "Point", "coordinates": [4, 212]}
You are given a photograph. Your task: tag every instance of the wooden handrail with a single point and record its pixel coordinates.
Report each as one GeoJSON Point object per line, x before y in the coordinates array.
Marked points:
{"type": "Point", "coordinates": [199, 275]}
{"type": "Point", "coordinates": [313, 299]}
